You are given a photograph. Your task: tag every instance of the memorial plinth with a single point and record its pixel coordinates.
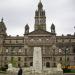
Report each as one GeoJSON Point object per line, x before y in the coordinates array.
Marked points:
{"type": "Point", "coordinates": [37, 59]}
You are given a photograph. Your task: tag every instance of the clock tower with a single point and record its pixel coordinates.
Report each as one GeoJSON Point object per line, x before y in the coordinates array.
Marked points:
{"type": "Point", "coordinates": [40, 18]}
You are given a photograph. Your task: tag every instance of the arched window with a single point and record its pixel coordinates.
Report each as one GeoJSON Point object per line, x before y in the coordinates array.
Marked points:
{"type": "Point", "coordinates": [47, 64]}
{"type": "Point", "coordinates": [31, 63]}
{"type": "Point", "coordinates": [60, 58]}
{"type": "Point", "coordinates": [73, 49]}
{"type": "Point", "coordinates": [54, 64]}
{"type": "Point", "coordinates": [19, 58]}
{"type": "Point", "coordinates": [19, 65]}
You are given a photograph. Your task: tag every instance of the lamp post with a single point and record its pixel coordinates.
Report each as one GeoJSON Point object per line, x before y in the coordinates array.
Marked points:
{"type": "Point", "coordinates": [65, 56]}
{"type": "Point", "coordinates": [54, 52]}
{"type": "Point", "coordinates": [66, 50]}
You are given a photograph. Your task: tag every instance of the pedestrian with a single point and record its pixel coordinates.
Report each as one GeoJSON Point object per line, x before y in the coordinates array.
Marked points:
{"type": "Point", "coordinates": [20, 71]}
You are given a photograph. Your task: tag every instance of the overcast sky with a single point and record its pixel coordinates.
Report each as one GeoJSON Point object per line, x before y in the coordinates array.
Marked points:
{"type": "Point", "coordinates": [18, 13]}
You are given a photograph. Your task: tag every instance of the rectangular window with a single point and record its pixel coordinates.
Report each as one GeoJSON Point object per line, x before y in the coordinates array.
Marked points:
{"type": "Point", "coordinates": [60, 58]}
{"type": "Point", "coordinates": [67, 58]}
{"type": "Point", "coordinates": [12, 49]}
{"type": "Point", "coordinates": [16, 41]}
{"type": "Point", "coordinates": [25, 51]}
{"type": "Point", "coordinates": [12, 58]}
{"type": "Point", "coordinates": [10, 41]}
{"type": "Point", "coordinates": [54, 64]}
{"type": "Point", "coordinates": [19, 58]}
{"type": "Point", "coordinates": [25, 64]}
{"type": "Point", "coordinates": [5, 58]}
{"type": "Point", "coordinates": [73, 49]}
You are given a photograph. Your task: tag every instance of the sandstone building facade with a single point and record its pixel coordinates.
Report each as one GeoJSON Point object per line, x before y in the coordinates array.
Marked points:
{"type": "Point", "coordinates": [19, 49]}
